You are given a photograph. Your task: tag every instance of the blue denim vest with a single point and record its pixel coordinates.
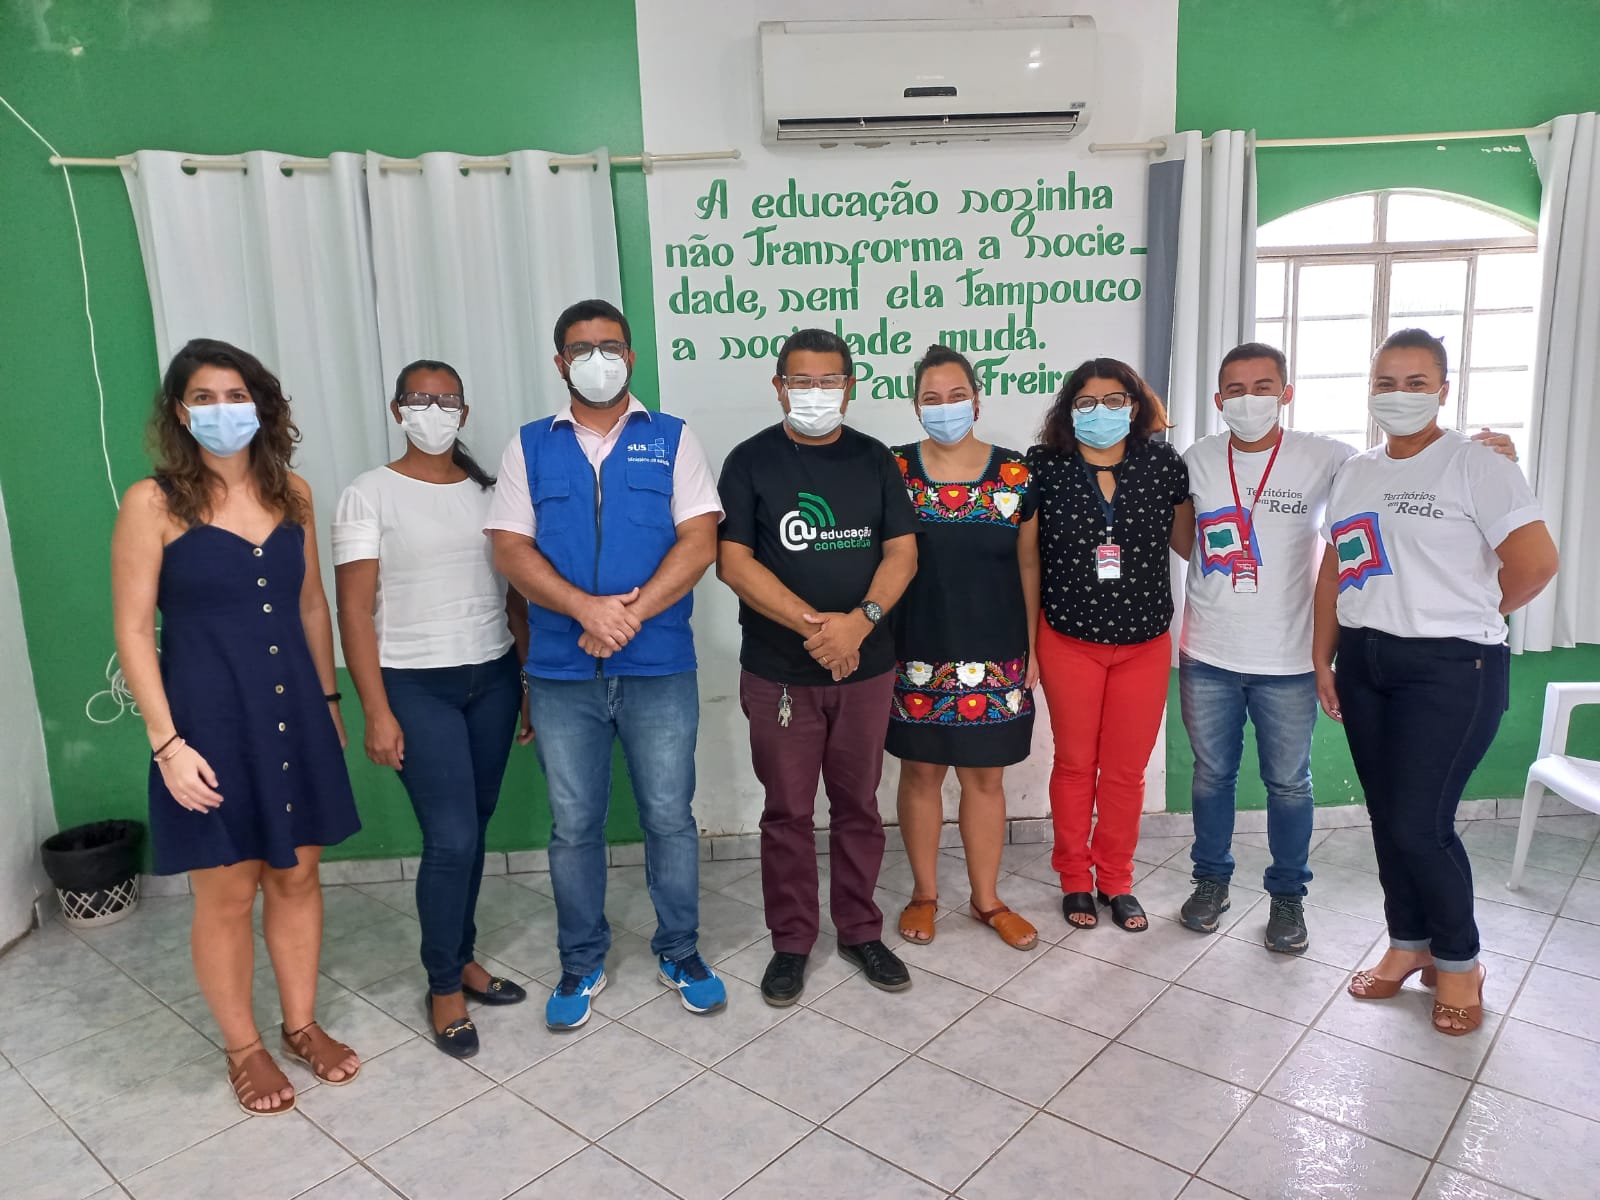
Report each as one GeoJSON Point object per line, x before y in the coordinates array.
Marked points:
{"type": "Point", "coordinates": [606, 541]}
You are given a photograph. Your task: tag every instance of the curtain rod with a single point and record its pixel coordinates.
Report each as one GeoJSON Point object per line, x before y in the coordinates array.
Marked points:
{"type": "Point", "coordinates": [1379, 139]}
{"type": "Point", "coordinates": [645, 160]}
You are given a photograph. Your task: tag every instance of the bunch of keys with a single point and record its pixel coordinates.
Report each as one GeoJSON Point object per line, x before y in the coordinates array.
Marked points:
{"type": "Point", "coordinates": [785, 710]}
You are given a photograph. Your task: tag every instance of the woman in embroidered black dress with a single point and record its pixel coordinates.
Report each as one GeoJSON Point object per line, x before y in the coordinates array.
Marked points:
{"type": "Point", "coordinates": [964, 643]}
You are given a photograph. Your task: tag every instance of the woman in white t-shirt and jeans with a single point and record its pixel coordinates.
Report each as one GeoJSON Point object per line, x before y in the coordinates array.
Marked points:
{"type": "Point", "coordinates": [428, 629]}
{"type": "Point", "coordinates": [1433, 539]}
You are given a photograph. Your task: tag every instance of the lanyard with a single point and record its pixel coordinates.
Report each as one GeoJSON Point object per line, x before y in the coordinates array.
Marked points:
{"type": "Point", "coordinates": [1247, 519]}
{"type": "Point", "coordinates": [1108, 508]}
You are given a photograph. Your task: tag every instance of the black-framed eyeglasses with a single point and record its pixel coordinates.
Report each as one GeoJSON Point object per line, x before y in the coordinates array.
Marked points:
{"type": "Point", "coordinates": [1115, 401]}
{"type": "Point", "coordinates": [801, 383]}
{"type": "Point", "coordinates": [417, 401]}
{"type": "Point", "coordinates": [577, 352]}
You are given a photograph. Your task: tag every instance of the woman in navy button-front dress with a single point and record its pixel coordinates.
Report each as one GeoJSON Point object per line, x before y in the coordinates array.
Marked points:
{"type": "Point", "coordinates": [248, 780]}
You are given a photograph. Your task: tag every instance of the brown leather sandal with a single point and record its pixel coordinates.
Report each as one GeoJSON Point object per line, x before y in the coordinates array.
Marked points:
{"type": "Point", "coordinates": [312, 1046]}
{"type": "Point", "coordinates": [1374, 987]}
{"type": "Point", "coordinates": [255, 1076]}
{"type": "Point", "coordinates": [918, 917]}
{"type": "Point", "coordinates": [1471, 1016]}
{"type": "Point", "coordinates": [1015, 930]}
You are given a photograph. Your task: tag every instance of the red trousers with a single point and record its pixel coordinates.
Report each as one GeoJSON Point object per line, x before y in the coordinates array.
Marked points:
{"type": "Point", "coordinates": [1105, 711]}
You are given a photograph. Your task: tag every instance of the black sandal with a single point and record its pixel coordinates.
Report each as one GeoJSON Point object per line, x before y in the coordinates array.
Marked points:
{"type": "Point", "coordinates": [1079, 904]}
{"type": "Point", "coordinates": [1124, 909]}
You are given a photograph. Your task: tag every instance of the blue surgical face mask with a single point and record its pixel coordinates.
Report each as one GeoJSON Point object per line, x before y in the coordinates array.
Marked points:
{"type": "Point", "coordinates": [948, 423]}
{"type": "Point", "coordinates": [224, 429]}
{"type": "Point", "coordinates": [1102, 427]}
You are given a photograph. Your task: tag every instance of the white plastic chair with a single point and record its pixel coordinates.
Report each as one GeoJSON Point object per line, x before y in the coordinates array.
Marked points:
{"type": "Point", "coordinates": [1576, 780]}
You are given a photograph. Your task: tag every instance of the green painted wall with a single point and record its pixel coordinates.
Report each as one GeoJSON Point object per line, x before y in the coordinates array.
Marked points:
{"type": "Point", "coordinates": [307, 77]}
{"type": "Point", "coordinates": [1326, 68]}
{"type": "Point", "coordinates": [303, 77]}
{"type": "Point", "coordinates": [1334, 68]}
{"type": "Point", "coordinates": [1503, 773]}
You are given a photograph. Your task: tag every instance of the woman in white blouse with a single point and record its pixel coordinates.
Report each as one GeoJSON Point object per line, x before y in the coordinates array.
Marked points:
{"type": "Point", "coordinates": [1433, 539]}
{"type": "Point", "coordinates": [428, 629]}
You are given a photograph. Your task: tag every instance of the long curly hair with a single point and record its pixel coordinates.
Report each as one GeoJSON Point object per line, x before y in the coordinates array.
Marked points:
{"type": "Point", "coordinates": [1150, 419]}
{"type": "Point", "coordinates": [190, 485]}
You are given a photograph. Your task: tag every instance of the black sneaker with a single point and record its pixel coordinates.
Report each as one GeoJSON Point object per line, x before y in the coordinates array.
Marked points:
{"type": "Point", "coordinates": [784, 980]}
{"type": "Point", "coordinates": [1202, 911]}
{"type": "Point", "coordinates": [1286, 926]}
{"type": "Point", "coordinates": [879, 964]}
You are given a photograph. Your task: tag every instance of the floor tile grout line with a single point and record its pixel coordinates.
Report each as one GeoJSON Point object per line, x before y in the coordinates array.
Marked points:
{"type": "Point", "coordinates": [1259, 1093]}
{"type": "Point", "coordinates": [361, 1166]}
{"type": "Point", "coordinates": [365, 1062]}
{"type": "Point", "coordinates": [1474, 1081]}
{"type": "Point", "coordinates": [993, 993]}
{"type": "Point", "coordinates": [61, 1120]}
{"type": "Point", "coordinates": [1044, 1110]}
{"type": "Point", "coordinates": [750, 1091]}
{"type": "Point", "coordinates": [566, 1158]}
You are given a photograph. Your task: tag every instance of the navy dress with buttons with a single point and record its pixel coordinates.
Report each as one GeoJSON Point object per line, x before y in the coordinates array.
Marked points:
{"type": "Point", "coordinates": [245, 695]}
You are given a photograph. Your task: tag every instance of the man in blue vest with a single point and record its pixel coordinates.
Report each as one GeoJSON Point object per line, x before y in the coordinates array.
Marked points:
{"type": "Point", "coordinates": [605, 517]}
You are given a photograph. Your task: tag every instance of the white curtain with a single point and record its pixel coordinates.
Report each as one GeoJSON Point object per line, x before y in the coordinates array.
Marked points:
{"type": "Point", "coordinates": [1565, 436]}
{"type": "Point", "coordinates": [279, 265]}
{"type": "Point", "coordinates": [474, 266]}
{"type": "Point", "coordinates": [1201, 299]}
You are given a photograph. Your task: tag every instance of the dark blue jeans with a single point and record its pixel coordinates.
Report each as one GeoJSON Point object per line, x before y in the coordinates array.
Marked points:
{"type": "Point", "coordinates": [1283, 708]}
{"type": "Point", "coordinates": [656, 718]}
{"type": "Point", "coordinates": [1420, 713]}
{"type": "Point", "coordinates": [459, 723]}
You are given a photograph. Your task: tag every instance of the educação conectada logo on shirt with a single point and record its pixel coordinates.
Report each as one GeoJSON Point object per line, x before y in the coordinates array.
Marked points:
{"type": "Point", "coordinates": [810, 525]}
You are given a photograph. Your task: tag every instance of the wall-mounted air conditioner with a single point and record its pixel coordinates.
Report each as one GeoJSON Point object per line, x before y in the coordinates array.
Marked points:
{"type": "Point", "coordinates": [870, 82]}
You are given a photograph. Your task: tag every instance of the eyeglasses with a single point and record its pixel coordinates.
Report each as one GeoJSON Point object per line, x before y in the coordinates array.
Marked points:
{"type": "Point", "coordinates": [577, 352]}
{"type": "Point", "coordinates": [801, 383]}
{"type": "Point", "coordinates": [1115, 401]}
{"type": "Point", "coordinates": [447, 401]}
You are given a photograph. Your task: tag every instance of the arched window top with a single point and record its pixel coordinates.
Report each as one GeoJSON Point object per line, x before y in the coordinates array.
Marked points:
{"type": "Point", "coordinates": [1394, 219]}
{"type": "Point", "coordinates": [1333, 280]}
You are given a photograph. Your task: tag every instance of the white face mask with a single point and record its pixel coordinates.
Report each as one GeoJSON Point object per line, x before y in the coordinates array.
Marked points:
{"type": "Point", "coordinates": [1400, 414]}
{"type": "Point", "coordinates": [431, 429]}
{"type": "Point", "coordinates": [816, 412]}
{"type": "Point", "coordinates": [599, 381]}
{"type": "Point", "coordinates": [1251, 418]}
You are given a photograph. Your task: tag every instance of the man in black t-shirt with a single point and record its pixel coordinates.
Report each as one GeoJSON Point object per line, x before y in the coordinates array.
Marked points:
{"type": "Point", "coordinates": [818, 542]}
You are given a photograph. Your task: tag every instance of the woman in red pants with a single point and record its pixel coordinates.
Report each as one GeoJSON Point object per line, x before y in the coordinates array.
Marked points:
{"type": "Point", "coordinates": [1107, 496]}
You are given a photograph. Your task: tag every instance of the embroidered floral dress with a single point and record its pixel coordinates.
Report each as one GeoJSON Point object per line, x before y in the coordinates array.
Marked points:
{"type": "Point", "coordinates": [961, 631]}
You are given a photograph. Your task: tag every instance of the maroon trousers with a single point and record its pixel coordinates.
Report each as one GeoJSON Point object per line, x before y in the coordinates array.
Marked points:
{"type": "Point", "coordinates": [835, 732]}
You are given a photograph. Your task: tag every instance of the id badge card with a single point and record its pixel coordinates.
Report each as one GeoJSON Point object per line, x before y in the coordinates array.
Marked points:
{"type": "Point", "coordinates": [1244, 575]}
{"type": "Point", "coordinates": [1108, 562]}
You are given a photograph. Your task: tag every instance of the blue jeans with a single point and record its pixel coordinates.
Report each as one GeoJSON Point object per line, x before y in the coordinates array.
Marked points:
{"type": "Point", "coordinates": [656, 717]}
{"type": "Point", "coordinates": [458, 724]}
{"type": "Point", "coordinates": [1283, 709]}
{"type": "Point", "coordinates": [1420, 714]}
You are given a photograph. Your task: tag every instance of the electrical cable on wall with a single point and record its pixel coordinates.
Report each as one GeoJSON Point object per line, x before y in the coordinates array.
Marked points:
{"type": "Point", "coordinates": [83, 266]}
{"type": "Point", "coordinates": [116, 699]}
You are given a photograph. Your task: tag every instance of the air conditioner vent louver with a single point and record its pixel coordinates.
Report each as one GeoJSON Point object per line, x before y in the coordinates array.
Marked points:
{"type": "Point", "coordinates": [1036, 124]}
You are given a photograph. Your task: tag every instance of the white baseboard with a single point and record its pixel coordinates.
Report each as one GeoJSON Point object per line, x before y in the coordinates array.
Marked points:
{"type": "Point", "coordinates": [1021, 830]}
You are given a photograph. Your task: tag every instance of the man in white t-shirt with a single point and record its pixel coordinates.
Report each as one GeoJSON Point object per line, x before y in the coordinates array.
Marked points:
{"type": "Point", "coordinates": [1254, 546]}
{"type": "Point", "coordinates": [1259, 492]}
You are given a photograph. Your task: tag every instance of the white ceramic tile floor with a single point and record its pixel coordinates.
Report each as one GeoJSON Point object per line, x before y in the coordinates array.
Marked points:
{"type": "Point", "coordinates": [1099, 1065]}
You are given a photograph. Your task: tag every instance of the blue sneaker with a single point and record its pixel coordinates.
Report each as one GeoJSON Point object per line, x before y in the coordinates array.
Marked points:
{"type": "Point", "coordinates": [698, 987]}
{"type": "Point", "coordinates": [568, 1006]}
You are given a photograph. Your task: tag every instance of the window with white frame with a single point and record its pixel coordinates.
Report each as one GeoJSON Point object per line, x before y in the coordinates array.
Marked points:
{"type": "Point", "coordinates": [1333, 280]}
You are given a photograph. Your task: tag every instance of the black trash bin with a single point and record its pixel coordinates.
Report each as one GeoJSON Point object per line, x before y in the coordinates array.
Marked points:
{"type": "Point", "coordinates": [95, 869]}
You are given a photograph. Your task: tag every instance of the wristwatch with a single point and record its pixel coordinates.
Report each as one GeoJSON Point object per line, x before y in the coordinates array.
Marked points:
{"type": "Point", "coordinates": [874, 612]}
